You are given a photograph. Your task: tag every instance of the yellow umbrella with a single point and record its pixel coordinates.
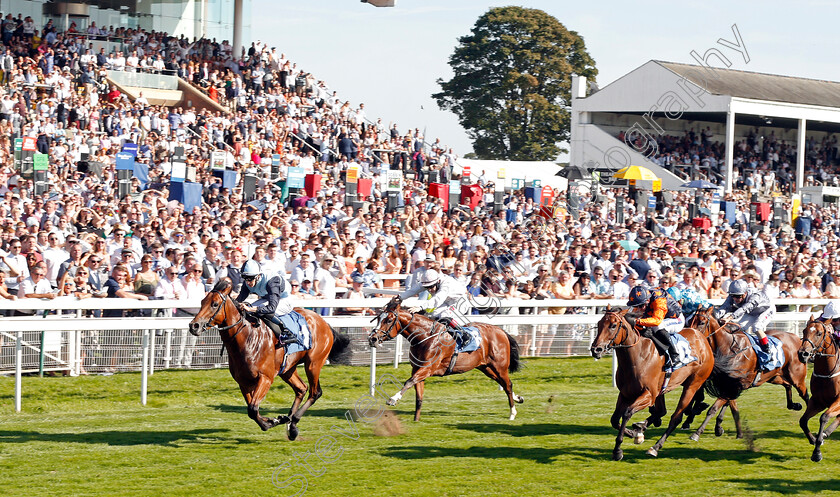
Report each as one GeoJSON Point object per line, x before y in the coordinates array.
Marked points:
{"type": "Point", "coordinates": [635, 172]}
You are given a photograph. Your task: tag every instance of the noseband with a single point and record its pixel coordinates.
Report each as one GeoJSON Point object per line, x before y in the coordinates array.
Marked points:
{"type": "Point", "coordinates": [384, 336]}
{"type": "Point", "coordinates": [822, 349]}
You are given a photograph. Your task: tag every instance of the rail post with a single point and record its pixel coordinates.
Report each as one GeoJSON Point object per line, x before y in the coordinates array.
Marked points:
{"type": "Point", "coordinates": [18, 368]}
{"type": "Point", "coordinates": [373, 371]}
{"type": "Point", "coordinates": [144, 376]}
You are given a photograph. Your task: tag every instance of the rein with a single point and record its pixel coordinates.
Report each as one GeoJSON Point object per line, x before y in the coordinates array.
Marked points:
{"type": "Point", "coordinates": [225, 298]}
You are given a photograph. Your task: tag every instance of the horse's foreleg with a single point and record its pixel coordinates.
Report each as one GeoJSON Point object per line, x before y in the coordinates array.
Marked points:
{"type": "Point", "coordinates": [657, 411]}
{"type": "Point", "coordinates": [824, 419]}
{"type": "Point", "coordinates": [419, 375]}
{"type": "Point", "coordinates": [254, 395]}
{"type": "Point", "coordinates": [685, 400]}
{"type": "Point", "coordinates": [419, 387]}
{"type": "Point", "coordinates": [697, 406]}
{"type": "Point", "coordinates": [809, 413]}
{"type": "Point", "coordinates": [709, 415]}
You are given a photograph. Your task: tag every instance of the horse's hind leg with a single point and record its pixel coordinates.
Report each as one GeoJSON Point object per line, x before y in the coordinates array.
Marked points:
{"type": "Point", "coordinates": [299, 387]}
{"type": "Point", "coordinates": [736, 416]}
{"type": "Point", "coordinates": [709, 415]}
{"type": "Point", "coordinates": [254, 395]}
{"type": "Point", "coordinates": [657, 411]}
{"type": "Point", "coordinates": [502, 378]}
{"type": "Point", "coordinates": [625, 412]}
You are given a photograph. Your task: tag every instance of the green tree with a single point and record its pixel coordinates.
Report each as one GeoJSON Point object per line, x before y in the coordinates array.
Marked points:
{"type": "Point", "coordinates": [512, 84]}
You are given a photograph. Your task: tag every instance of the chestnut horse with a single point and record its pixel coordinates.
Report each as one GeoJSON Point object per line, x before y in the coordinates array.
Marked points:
{"type": "Point", "coordinates": [821, 346]}
{"type": "Point", "coordinates": [641, 379]}
{"type": "Point", "coordinates": [736, 368]}
{"type": "Point", "coordinates": [255, 362]}
{"type": "Point", "coordinates": [431, 350]}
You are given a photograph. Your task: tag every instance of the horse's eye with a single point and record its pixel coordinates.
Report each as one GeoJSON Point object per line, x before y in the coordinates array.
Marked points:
{"type": "Point", "coordinates": [214, 305]}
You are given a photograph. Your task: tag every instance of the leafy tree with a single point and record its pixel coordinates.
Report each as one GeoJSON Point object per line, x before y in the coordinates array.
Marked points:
{"type": "Point", "coordinates": [512, 84]}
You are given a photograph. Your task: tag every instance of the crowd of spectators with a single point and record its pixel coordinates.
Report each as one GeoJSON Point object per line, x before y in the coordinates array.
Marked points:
{"type": "Point", "coordinates": [81, 240]}
{"type": "Point", "coordinates": [766, 163]}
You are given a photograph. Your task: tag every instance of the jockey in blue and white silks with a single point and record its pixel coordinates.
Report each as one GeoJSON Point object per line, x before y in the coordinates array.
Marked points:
{"type": "Point", "coordinates": [689, 300]}
{"type": "Point", "coordinates": [749, 308]}
{"type": "Point", "coordinates": [272, 290]}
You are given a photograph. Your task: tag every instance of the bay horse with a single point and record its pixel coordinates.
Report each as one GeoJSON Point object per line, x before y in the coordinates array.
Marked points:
{"type": "Point", "coordinates": [255, 362]}
{"type": "Point", "coordinates": [736, 368]}
{"type": "Point", "coordinates": [820, 346]}
{"type": "Point", "coordinates": [641, 379]}
{"type": "Point", "coordinates": [432, 348]}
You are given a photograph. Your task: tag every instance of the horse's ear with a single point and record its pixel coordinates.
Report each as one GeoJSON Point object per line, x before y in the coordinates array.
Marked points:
{"type": "Point", "coordinates": [609, 307]}
{"type": "Point", "coordinates": [224, 286]}
{"type": "Point", "coordinates": [810, 319]}
{"type": "Point", "coordinates": [622, 312]}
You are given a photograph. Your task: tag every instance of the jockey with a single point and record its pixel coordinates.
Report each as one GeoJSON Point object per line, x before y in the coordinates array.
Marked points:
{"type": "Point", "coordinates": [272, 290]}
{"type": "Point", "coordinates": [831, 314]}
{"type": "Point", "coordinates": [661, 315]}
{"type": "Point", "coordinates": [751, 309]}
{"type": "Point", "coordinates": [689, 300]}
{"type": "Point", "coordinates": [445, 300]}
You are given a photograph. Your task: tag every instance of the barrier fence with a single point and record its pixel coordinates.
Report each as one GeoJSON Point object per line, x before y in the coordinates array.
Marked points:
{"type": "Point", "coordinates": [72, 344]}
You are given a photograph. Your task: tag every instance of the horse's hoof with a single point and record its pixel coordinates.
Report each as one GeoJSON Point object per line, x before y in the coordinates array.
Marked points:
{"type": "Point", "coordinates": [391, 402]}
{"type": "Point", "coordinates": [639, 438]}
{"type": "Point", "coordinates": [686, 425]}
{"type": "Point", "coordinates": [618, 455]}
{"type": "Point", "coordinates": [652, 452]}
{"type": "Point", "coordinates": [293, 432]}
{"type": "Point", "coordinates": [719, 431]}
{"type": "Point", "coordinates": [694, 437]}
{"type": "Point", "coordinates": [740, 435]}
{"type": "Point", "coordinates": [816, 457]}
{"type": "Point", "coordinates": [796, 406]}
{"type": "Point", "coordinates": [519, 399]}
{"type": "Point", "coordinates": [282, 419]}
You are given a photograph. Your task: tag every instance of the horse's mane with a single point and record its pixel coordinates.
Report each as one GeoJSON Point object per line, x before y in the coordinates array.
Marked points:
{"type": "Point", "coordinates": [222, 285]}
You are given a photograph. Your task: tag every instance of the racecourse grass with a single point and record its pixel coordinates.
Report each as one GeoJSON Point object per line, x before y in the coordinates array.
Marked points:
{"type": "Point", "coordinates": [90, 436]}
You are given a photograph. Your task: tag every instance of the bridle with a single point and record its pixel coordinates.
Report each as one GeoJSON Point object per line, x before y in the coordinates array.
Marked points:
{"type": "Point", "coordinates": [621, 324]}
{"type": "Point", "coordinates": [822, 349]}
{"type": "Point", "coordinates": [385, 335]}
{"type": "Point", "coordinates": [218, 328]}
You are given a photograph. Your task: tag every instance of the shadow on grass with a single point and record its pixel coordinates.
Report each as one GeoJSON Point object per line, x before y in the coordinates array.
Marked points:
{"type": "Point", "coordinates": [546, 455]}
{"type": "Point", "coordinates": [785, 487]}
{"type": "Point", "coordinates": [120, 438]}
{"type": "Point", "coordinates": [539, 455]}
{"type": "Point", "coordinates": [536, 429]}
{"type": "Point", "coordinates": [311, 412]}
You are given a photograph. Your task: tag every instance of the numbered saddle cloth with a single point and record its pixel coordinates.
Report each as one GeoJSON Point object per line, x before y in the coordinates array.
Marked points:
{"type": "Point", "coordinates": [776, 357]}
{"type": "Point", "coordinates": [684, 350]}
{"type": "Point", "coordinates": [461, 343]}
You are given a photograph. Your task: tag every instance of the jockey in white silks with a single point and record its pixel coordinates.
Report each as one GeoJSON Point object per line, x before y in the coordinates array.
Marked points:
{"type": "Point", "coordinates": [442, 298]}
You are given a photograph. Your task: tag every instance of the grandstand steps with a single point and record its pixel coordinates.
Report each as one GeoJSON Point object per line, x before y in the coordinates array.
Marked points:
{"type": "Point", "coordinates": [160, 89]}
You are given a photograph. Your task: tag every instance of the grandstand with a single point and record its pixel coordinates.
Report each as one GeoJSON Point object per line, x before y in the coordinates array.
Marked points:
{"type": "Point", "coordinates": [728, 126]}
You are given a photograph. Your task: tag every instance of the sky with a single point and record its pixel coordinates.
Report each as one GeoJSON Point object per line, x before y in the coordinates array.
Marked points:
{"type": "Point", "coordinates": [391, 58]}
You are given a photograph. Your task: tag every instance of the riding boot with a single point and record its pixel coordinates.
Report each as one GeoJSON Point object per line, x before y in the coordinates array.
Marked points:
{"type": "Point", "coordinates": [285, 337]}
{"type": "Point", "coordinates": [765, 345]}
{"type": "Point", "coordinates": [673, 355]}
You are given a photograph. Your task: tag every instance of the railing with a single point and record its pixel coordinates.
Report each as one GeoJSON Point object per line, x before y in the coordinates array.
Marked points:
{"type": "Point", "coordinates": [76, 345]}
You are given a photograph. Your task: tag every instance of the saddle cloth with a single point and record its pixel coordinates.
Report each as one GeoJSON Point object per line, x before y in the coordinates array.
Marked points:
{"type": "Point", "coordinates": [776, 357]}
{"type": "Point", "coordinates": [295, 323]}
{"type": "Point", "coordinates": [684, 349]}
{"type": "Point", "coordinates": [472, 345]}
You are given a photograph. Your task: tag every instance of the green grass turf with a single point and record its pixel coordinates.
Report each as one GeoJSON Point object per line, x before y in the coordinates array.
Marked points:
{"type": "Point", "coordinates": [90, 436]}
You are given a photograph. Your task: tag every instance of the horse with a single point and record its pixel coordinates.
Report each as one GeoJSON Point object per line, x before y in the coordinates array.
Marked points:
{"type": "Point", "coordinates": [820, 346]}
{"type": "Point", "coordinates": [432, 349]}
{"type": "Point", "coordinates": [736, 368]}
{"type": "Point", "coordinates": [641, 380]}
{"type": "Point", "coordinates": [255, 362]}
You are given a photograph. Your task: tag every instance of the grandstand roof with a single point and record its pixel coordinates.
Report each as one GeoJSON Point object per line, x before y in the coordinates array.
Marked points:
{"type": "Point", "coordinates": [759, 86]}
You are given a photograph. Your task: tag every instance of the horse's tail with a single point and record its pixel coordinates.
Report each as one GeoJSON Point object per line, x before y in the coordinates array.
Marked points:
{"type": "Point", "coordinates": [515, 363]}
{"type": "Point", "coordinates": [341, 344]}
{"type": "Point", "coordinates": [728, 379]}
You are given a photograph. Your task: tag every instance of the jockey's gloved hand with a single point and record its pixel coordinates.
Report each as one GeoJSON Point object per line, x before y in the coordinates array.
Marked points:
{"type": "Point", "coordinates": [415, 309]}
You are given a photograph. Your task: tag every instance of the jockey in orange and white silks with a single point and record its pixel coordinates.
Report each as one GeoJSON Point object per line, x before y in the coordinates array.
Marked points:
{"type": "Point", "coordinates": [749, 308]}
{"type": "Point", "coordinates": [661, 314]}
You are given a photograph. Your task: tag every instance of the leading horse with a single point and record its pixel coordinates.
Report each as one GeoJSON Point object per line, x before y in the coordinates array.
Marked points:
{"type": "Point", "coordinates": [432, 349]}
{"type": "Point", "coordinates": [821, 346]}
{"type": "Point", "coordinates": [641, 380]}
{"type": "Point", "coordinates": [255, 362]}
{"type": "Point", "coordinates": [736, 368]}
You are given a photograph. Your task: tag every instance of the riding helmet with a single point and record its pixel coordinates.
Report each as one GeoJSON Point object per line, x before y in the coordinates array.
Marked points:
{"type": "Point", "coordinates": [738, 287]}
{"type": "Point", "coordinates": [639, 296]}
